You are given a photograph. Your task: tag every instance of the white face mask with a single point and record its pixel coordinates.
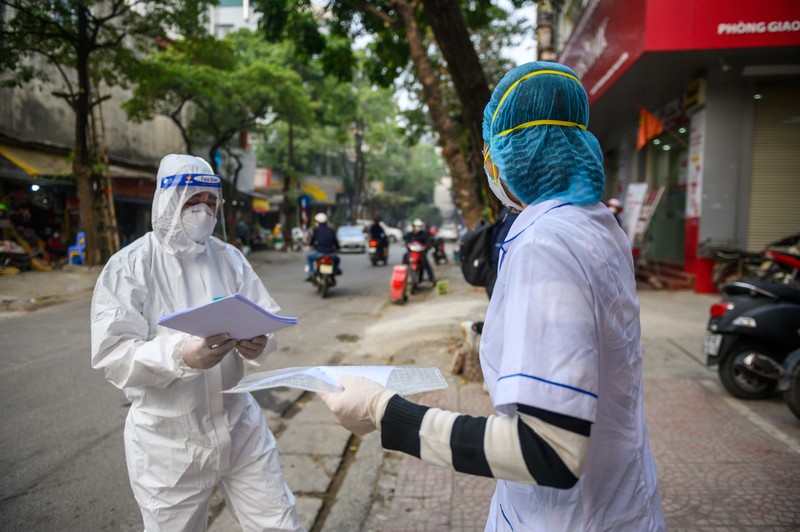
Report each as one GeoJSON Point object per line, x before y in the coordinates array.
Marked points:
{"type": "Point", "coordinates": [500, 193]}
{"type": "Point", "coordinates": [198, 222]}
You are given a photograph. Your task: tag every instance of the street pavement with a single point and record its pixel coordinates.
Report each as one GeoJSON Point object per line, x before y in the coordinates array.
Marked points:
{"type": "Point", "coordinates": [724, 464]}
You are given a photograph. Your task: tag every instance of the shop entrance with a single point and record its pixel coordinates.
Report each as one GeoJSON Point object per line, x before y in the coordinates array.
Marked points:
{"type": "Point", "coordinates": [666, 164]}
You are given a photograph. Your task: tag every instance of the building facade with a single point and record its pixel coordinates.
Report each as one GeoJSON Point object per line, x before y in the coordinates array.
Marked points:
{"type": "Point", "coordinates": [721, 82]}
{"type": "Point", "coordinates": [37, 186]}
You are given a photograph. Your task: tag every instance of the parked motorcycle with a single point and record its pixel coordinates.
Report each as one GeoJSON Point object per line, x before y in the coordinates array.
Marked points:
{"type": "Point", "coordinates": [782, 260]}
{"type": "Point", "coordinates": [779, 262]}
{"type": "Point", "coordinates": [324, 274]}
{"type": "Point", "coordinates": [734, 264]}
{"type": "Point", "coordinates": [750, 332]}
{"type": "Point", "coordinates": [789, 382]}
{"type": "Point", "coordinates": [378, 251]}
{"type": "Point", "coordinates": [416, 258]}
{"type": "Point", "coordinates": [439, 255]}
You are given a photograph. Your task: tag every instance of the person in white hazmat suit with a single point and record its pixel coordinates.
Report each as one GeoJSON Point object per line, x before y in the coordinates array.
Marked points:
{"type": "Point", "coordinates": [560, 351]}
{"type": "Point", "coordinates": [183, 436]}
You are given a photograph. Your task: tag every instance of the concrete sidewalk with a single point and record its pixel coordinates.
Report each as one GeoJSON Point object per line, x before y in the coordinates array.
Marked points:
{"type": "Point", "coordinates": [724, 464]}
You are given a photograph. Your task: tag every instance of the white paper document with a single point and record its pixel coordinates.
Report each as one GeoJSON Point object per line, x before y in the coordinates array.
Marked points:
{"type": "Point", "coordinates": [236, 315]}
{"type": "Point", "coordinates": [405, 380]}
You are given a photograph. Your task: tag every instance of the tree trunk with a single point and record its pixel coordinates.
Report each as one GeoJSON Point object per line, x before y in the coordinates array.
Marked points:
{"type": "Point", "coordinates": [81, 165]}
{"type": "Point", "coordinates": [358, 172]}
{"type": "Point", "coordinates": [463, 181]}
{"type": "Point", "coordinates": [289, 186]}
{"type": "Point", "coordinates": [452, 38]}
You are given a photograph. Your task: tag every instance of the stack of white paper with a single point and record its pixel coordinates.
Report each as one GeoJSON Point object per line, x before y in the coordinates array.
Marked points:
{"type": "Point", "coordinates": [236, 315]}
{"type": "Point", "coordinates": [405, 380]}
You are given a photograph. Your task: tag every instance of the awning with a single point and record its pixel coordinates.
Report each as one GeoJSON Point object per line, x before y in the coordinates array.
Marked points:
{"type": "Point", "coordinates": [36, 163]}
{"type": "Point", "coordinates": [45, 165]}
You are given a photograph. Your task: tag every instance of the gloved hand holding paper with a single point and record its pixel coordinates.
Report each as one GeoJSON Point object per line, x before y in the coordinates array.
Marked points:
{"type": "Point", "coordinates": [404, 380]}
{"type": "Point", "coordinates": [236, 315]}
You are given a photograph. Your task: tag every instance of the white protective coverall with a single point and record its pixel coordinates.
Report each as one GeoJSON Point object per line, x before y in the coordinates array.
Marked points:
{"type": "Point", "coordinates": [183, 436]}
{"type": "Point", "coordinates": [562, 334]}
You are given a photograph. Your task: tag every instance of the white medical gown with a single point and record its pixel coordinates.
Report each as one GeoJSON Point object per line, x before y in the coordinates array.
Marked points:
{"type": "Point", "coordinates": [562, 334]}
{"type": "Point", "coordinates": [183, 436]}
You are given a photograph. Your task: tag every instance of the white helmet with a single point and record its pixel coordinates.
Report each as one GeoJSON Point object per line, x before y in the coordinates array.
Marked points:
{"type": "Point", "coordinates": [321, 218]}
{"type": "Point", "coordinates": [418, 223]}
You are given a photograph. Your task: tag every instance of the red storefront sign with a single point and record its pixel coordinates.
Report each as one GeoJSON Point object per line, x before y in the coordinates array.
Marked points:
{"type": "Point", "coordinates": [713, 24]}
{"type": "Point", "coordinates": [612, 35]}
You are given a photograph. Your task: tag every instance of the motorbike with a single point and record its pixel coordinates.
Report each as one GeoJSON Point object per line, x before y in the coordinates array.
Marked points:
{"type": "Point", "coordinates": [789, 382]}
{"type": "Point", "coordinates": [779, 261]}
{"type": "Point", "coordinates": [782, 260]}
{"type": "Point", "coordinates": [439, 255]}
{"type": "Point", "coordinates": [750, 333]}
{"type": "Point", "coordinates": [416, 258]}
{"type": "Point", "coordinates": [378, 251]}
{"type": "Point", "coordinates": [324, 274]}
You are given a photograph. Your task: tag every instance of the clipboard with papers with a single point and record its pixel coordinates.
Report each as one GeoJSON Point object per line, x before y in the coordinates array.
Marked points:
{"type": "Point", "coordinates": [236, 315]}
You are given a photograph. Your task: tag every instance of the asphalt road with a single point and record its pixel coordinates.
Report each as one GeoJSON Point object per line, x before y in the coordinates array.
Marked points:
{"type": "Point", "coordinates": [62, 463]}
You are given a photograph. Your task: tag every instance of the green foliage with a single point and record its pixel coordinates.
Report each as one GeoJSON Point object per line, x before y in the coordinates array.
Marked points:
{"type": "Point", "coordinates": [232, 84]}
{"type": "Point", "coordinates": [68, 34]}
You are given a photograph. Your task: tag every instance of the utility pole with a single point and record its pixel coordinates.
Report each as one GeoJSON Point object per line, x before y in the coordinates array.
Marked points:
{"type": "Point", "coordinates": [547, 15]}
{"type": "Point", "coordinates": [358, 170]}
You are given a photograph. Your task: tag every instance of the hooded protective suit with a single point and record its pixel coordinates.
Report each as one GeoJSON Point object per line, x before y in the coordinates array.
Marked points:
{"type": "Point", "coordinates": [183, 437]}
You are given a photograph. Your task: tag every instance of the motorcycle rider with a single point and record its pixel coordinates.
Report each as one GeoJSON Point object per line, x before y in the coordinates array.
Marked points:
{"type": "Point", "coordinates": [419, 234]}
{"type": "Point", "coordinates": [377, 233]}
{"type": "Point", "coordinates": [324, 241]}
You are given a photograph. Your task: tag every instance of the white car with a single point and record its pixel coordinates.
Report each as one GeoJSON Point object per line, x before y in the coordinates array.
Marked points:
{"type": "Point", "coordinates": [448, 233]}
{"type": "Point", "coordinates": [351, 238]}
{"type": "Point", "coordinates": [394, 234]}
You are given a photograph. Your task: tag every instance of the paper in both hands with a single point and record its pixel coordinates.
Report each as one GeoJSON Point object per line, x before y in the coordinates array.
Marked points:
{"type": "Point", "coordinates": [404, 380]}
{"type": "Point", "coordinates": [236, 315]}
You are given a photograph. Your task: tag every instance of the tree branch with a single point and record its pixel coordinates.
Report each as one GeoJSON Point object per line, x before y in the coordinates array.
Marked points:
{"type": "Point", "coordinates": [369, 9]}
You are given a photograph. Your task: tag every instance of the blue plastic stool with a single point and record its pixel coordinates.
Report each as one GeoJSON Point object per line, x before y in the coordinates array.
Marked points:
{"type": "Point", "coordinates": [75, 254]}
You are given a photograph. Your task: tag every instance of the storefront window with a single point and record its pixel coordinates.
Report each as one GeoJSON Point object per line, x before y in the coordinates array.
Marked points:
{"type": "Point", "coordinates": [666, 164]}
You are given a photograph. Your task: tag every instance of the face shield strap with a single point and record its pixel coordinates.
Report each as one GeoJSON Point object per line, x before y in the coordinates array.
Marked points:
{"type": "Point", "coordinates": [191, 180]}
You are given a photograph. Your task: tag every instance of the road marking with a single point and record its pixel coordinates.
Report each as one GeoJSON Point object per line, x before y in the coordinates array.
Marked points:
{"type": "Point", "coordinates": [741, 407]}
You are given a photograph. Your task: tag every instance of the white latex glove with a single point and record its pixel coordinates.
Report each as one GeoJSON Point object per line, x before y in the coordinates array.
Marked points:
{"type": "Point", "coordinates": [250, 349]}
{"type": "Point", "coordinates": [199, 353]}
{"type": "Point", "coordinates": [360, 406]}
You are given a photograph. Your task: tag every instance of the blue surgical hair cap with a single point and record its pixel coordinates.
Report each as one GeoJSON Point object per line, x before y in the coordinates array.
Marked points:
{"type": "Point", "coordinates": [535, 129]}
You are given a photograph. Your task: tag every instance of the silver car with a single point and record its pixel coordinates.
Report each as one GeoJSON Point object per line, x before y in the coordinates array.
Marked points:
{"type": "Point", "coordinates": [351, 238]}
